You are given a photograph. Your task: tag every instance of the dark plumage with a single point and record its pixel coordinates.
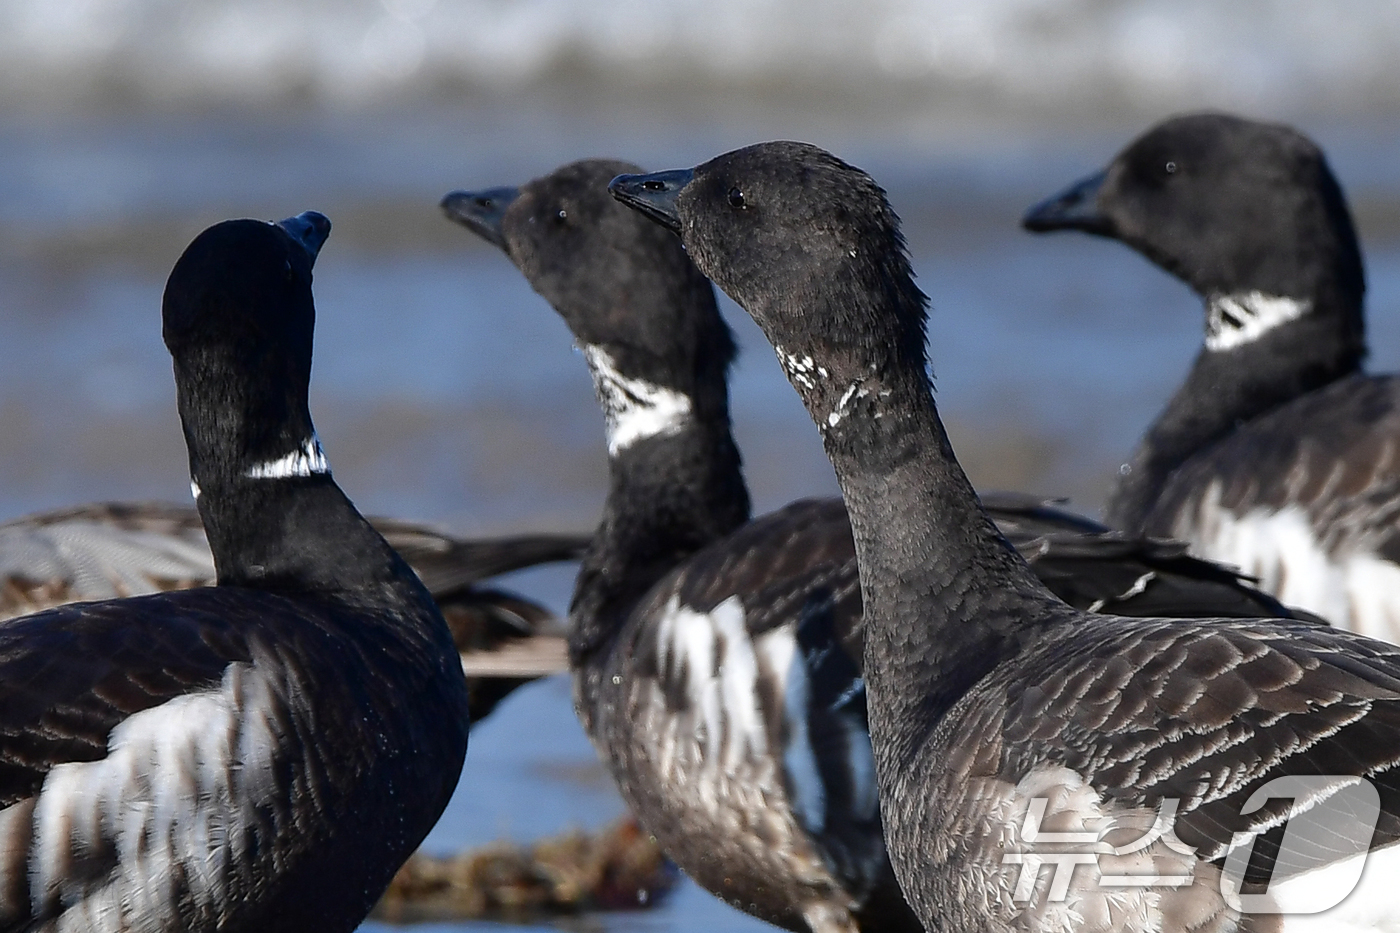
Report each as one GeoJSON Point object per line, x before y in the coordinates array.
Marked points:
{"type": "Point", "coordinates": [988, 698]}
{"type": "Point", "coordinates": [111, 549]}
{"type": "Point", "coordinates": [263, 754]}
{"type": "Point", "coordinates": [708, 666]}
{"type": "Point", "coordinates": [679, 577]}
{"type": "Point", "coordinates": [1277, 454]}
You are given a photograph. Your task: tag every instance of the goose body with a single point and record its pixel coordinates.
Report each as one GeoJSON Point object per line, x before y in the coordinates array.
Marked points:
{"type": "Point", "coordinates": [709, 664]}
{"type": "Point", "coordinates": [262, 754]}
{"type": "Point", "coordinates": [1323, 533]}
{"type": "Point", "coordinates": [717, 656]}
{"type": "Point", "coordinates": [1278, 455]}
{"type": "Point", "coordinates": [211, 760]}
{"type": "Point", "coordinates": [1013, 733]}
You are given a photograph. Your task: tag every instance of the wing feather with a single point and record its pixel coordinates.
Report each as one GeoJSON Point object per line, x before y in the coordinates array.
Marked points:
{"type": "Point", "coordinates": [1203, 715]}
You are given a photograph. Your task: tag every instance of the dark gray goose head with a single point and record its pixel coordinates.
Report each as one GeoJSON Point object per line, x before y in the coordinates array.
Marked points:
{"type": "Point", "coordinates": [986, 697]}
{"type": "Point", "coordinates": [238, 319]}
{"type": "Point", "coordinates": [776, 254]}
{"type": "Point", "coordinates": [239, 301]}
{"type": "Point", "coordinates": [1248, 214]}
{"type": "Point", "coordinates": [609, 273]}
{"type": "Point", "coordinates": [659, 354]}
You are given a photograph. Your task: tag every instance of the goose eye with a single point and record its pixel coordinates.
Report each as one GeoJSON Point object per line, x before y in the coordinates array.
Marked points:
{"type": "Point", "coordinates": [1171, 168]}
{"type": "Point", "coordinates": [562, 215]}
{"type": "Point", "coordinates": [736, 198]}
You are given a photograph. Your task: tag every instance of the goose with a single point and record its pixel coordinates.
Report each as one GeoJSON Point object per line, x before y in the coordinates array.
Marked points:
{"type": "Point", "coordinates": [694, 621]}
{"type": "Point", "coordinates": [1278, 454]}
{"type": "Point", "coordinates": [1152, 765]}
{"type": "Point", "coordinates": [257, 755]}
{"type": "Point", "coordinates": [584, 253]}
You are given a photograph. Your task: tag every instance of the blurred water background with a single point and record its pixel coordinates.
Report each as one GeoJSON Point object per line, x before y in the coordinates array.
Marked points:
{"type": "Point", "coordinates": [446, 391]}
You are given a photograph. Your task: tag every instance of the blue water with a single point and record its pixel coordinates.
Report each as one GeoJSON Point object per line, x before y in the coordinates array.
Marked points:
{"type": "Point", "coordinates": [446, 391]}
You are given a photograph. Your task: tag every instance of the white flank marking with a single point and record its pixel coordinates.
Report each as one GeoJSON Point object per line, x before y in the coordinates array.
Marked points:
{"type": "Point", "coordinates": [176, 788]}
{"type": "Point", "coordinates": [1358, 592]}
{"type": "Point", "coordinates": [730, 724]}
{"type": "Point", "coordinates": [804, 778]}
{"type": "Point", "coordinates": [1234, 320]}
{"type": "Point", "coordinates": [722, 689]}
{"type": "Point", "coordinates": [305, 461]}
{"type": "Point", "coordinates": [634, 409]}
{"type": "Point", "coordinates": [194, 490]}
{"type": "Point", "coordinates": [738, 680]}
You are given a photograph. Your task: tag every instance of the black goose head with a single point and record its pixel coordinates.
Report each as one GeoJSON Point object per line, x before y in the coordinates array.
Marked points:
{"type": "Point", "coordinates": [624, 286]}
{"type": "Point", "coordinates": [1233, 207]}
{"type": "Point", "coordinates": [809, 246]}
{"type": "Point", "coordinates": [238, 320]}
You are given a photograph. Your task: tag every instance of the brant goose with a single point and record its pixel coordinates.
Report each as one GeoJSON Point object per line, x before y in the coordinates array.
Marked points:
{"type": "Point", "coordinates": [263, 754]}
{"type": "Point", "coordinates": [717, 657]}
{"type": "Point", "coordinates": [1277, 454]}
{"type": "Point", "coordinates": [1011, 732]}
{"type": "Point", "coordinates": [111, 549]}
{"type": "Point", "coordinates": [613, 277]}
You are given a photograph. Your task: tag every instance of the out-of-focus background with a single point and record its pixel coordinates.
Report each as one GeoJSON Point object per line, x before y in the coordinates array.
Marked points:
{"type": "Point", "coordinates": [446, 391]}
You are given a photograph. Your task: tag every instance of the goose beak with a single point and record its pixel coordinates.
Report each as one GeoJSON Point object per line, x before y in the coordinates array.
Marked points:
{"type": "Point", "coordinates": [1075, 208]}
{"type": "Point", "coordinates": [481, 212]}
{"type": "Point", "coordinates": [310, 229]}
{"type": "Point", "coordinates": [654, 195]}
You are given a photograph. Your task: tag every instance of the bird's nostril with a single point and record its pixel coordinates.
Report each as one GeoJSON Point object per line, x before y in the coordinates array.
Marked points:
{"type": "Point", "coordinates": [653, 186]}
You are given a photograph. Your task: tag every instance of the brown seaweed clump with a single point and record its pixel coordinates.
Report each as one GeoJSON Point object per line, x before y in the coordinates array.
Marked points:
{"type": "Point", "coordinates": [616, 868]}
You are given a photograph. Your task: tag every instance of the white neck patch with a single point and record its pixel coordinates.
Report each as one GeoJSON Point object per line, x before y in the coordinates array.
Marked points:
{"type": "Point", "coordinates": [800, 369]}
{"type": "Point", "coordinates": [1234, 320]}
{"type": "Point", "coordinates": [634, 409]}
{"type": "Point", "coordinates": [309, 459]}
{"type": "Point", "coordinates": [853, 391]}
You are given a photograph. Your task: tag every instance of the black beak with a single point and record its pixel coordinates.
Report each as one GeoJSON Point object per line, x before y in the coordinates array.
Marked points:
{"type": "Point", "coordinates": [1075, 208]}
{"type": "Point", "coordinates": [482, 212]}
{"type": "Point", "coordinates": [310, 229]}
{"type": "Point", "coordinates": [654, 195]}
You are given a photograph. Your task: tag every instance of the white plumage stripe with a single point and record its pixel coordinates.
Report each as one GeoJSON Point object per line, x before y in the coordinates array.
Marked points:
{"type": "Point", "coordinates": [1238, 319]}
{"type": "Point", "coordinates": [720, 678]}
{"type": "Point", "coordinates": [304, 461]}
{"type": "Point", "coordinates": [804, 779]}
{"type": "Point", "coordinates": [1357, 591]}
{"type": "Point", "coordinates": [634, 409]}
{"type": "Point", "coordinates": [723, 664]}
{"type": "Point", "coordinates": [163, 801]}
